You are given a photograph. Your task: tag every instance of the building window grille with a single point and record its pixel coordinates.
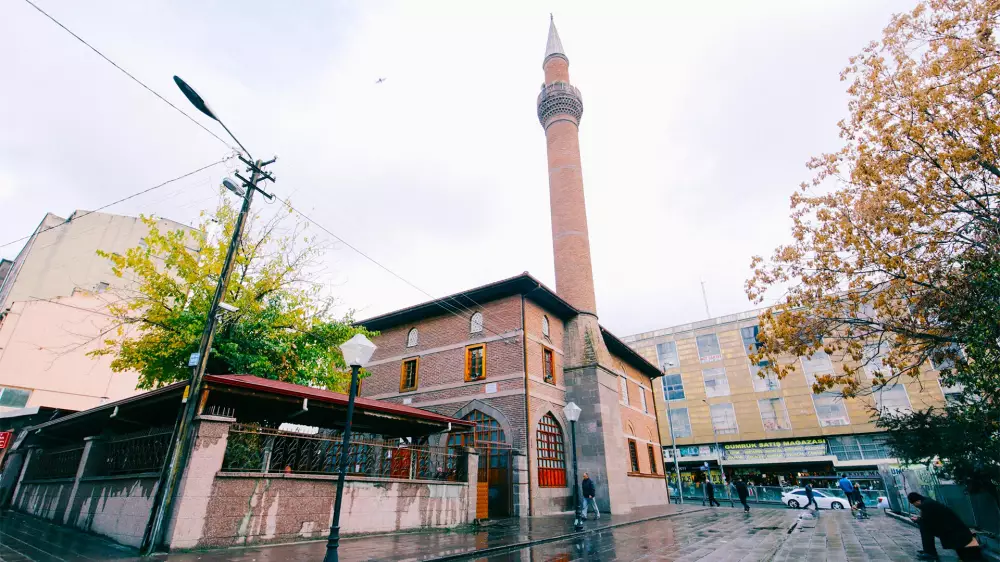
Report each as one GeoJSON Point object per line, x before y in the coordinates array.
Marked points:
{"type": "Point", "coordinates": [475, 362]}
{"type": "Point", "coordinates": [412, 338]}
{"type": "Point", "coordinates": [551, 453]}
{"type": "Point", "coordinates": [666, 355]}
{"type": "Point", "coordinates": [408, 375]}
{"type": "Point", "coordinates": [680, 423]}
{"type": "Point", "coordinates": [716, 383]}
{"type": "Point", "coordinates": [830, 409]}
{"type": "Point", "coordinates": [476, 324]}
{"type": "Point", "coordinates": [773, 414]}
{"type": "Point", "coordinates": [673, 387]}
{"type": "Point", "coordinates": [652, 458]}
{"type": "Point", "coordinates": [548, 366]}
{"type": "Point", "coordinates": [708, 348]}
{"type": "Point", "coordinates": [545, 326]}
{"type": "Point", "coordinates": [633, 455]}
{"type": "Point", "coordinates": [723, 418]}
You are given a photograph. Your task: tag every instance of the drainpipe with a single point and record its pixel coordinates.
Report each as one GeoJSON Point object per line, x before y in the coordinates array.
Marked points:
{"type": "Point", "coordinates": [527, 406]}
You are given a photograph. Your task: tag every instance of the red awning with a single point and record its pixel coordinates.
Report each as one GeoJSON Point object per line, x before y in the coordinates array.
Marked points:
{"type": "Point", "coordinates": [299, 391]}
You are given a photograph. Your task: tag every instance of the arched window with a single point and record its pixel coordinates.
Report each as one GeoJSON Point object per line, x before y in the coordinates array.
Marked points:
{"type": "Point", "coordinates": [545, 326]}
{"type": "Point", "coordinates": [488, 432]}
{"type": "Point", "coordinates": [412, 338]}
{"type": "Point", "coordinates": [551, 453]}
{"type": "Point", "coordinates": [476, 324]}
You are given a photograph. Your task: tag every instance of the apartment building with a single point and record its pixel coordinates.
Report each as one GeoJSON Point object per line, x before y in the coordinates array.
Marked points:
{"type": "Point", "coordinates": [768, 431]}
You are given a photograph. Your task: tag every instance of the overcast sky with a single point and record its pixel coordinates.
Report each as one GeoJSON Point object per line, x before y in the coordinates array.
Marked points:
{"type": "Point", "coordinates": [699, 117]}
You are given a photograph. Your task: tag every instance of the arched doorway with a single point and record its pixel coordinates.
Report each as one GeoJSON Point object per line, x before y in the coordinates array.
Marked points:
{"type": "Point", "coordinates": [495, 478]}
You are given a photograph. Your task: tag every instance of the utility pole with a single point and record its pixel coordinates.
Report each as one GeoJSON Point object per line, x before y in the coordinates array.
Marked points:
{"type": "Point", "coordinates": [180, 448]}
{"type": "Point", "coordinates": [704, 297]}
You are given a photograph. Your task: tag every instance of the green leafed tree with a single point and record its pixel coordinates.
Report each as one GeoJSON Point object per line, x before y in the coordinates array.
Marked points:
{"type": "Point", "coordinates": [284, 328]}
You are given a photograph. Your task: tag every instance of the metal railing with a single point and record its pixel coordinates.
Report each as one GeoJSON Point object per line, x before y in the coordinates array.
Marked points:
{"type": "Point", "coordinates": [135, 453]}
{"type": "Point", "coordinates": [264, 450]}
{"type": "Point", "coordinates": [767, 494]}
{"type": "Point", "coordinates": [51, 464]}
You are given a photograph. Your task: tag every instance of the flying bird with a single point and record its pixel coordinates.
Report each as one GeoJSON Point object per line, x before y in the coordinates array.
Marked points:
{"type": "Point", "coordinates": [380, 80]}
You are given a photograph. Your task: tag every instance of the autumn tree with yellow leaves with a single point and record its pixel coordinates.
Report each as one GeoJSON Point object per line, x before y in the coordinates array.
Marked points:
{"type": "Point", "coordinates": [881, 233]}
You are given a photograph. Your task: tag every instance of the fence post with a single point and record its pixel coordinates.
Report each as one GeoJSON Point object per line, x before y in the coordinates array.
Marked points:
{"type": "Point", "coordinates": [472, 480]}
{"type": "Point", "coordinates": [32, 450]}
{"type": "Point", "coordinates": [91, 461]}
{"type": "Point", "coordinates": [185, 528]}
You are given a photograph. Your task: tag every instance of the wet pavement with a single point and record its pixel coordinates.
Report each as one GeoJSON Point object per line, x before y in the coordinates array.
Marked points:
{"type": "Point", "coordinates": [695, 533]}
{"type": "Point", "coordinates": [724, 534]}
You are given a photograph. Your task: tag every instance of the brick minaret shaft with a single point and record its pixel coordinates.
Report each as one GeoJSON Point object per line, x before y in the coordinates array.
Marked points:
{"type": "Point", "coordinates": [559, 110]}
{"type": "Point", "coordinates": [588, 368]}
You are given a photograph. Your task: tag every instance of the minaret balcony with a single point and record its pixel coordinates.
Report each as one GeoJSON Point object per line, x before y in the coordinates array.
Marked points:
{"type": "Point", "coordinates": [559, 98]}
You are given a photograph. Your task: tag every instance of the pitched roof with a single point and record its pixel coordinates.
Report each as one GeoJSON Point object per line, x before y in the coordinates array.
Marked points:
{"type": "Point", "coordinates": [523, 284]}
{"type": "Point", "coordinates": [553, 46]}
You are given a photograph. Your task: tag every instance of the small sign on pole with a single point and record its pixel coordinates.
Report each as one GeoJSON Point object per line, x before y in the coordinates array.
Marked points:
{"type": "Point", "coordinates": [193, 360]}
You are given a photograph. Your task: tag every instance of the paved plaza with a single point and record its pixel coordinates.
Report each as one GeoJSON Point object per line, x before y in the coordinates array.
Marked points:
{"type": "Point", "coordinates": [720, 534]}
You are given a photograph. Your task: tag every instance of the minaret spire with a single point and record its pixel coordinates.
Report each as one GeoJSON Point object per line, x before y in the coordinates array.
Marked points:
{"type": "Point", "coordinates": [553, 47]}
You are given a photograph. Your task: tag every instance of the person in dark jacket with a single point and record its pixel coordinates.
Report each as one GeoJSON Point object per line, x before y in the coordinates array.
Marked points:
{"type": "Point", "coordinates": [810, 497]}
{"type": "Point", "coordinates": [710, 491]}
{"type": "Point", "coordinates": [742, 492]}
{"type": "Point", "coordinates": [937, 520]}
{"type": "Point", "coordinates": [588, 497]}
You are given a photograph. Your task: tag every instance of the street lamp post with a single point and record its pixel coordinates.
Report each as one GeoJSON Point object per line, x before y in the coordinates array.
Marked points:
{"type": "Point", "coordinates": [673, 444]}
{"type": "Point", "coordinates": [357, 351]}
{"type": "Point", "coordinates": [572, 412]}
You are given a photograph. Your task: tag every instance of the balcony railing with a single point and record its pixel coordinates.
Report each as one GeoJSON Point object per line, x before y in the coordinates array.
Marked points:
{"type": "Point", "coordinates": [263, 450]}
{"type": "Point", "coordinates": [135, 453]}
{"type": "Point", "coordinates": [51, 464]}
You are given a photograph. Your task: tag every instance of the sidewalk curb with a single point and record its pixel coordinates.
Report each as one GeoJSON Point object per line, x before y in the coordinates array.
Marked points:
{"type": "Point", "coordinates": [515, 546]}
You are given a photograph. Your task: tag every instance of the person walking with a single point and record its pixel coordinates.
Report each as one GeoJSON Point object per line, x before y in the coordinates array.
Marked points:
{"type": "Point", "coordinates": [937, 520]}
{"type": "Point", "coordinates": [742, 492]}
{"type": "Point", "coordinates": [588, 497]}
{"type": "Point", "coordinates": [848, 488]}
{"type": "Point", "coordinates": [810, 497]}
{"type": "Point", "coordinates": [710, 490]}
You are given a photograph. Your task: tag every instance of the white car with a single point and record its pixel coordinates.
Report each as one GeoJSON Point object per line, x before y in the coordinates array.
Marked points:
{"type": "Point", "coordinates": [797, 498]}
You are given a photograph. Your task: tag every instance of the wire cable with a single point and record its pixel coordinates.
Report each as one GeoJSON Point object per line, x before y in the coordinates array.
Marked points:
{"type": "Point", "coordinates": [122, 200]}
{"type": "Point", "coordinates": [455, 309]}
{"type": "Point", "coordinates": [127, 73]}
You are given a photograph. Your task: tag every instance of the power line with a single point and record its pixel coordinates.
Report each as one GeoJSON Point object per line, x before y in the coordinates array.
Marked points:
{"type": "Point", "coordinates": [455, 309]}
{"type": "Point", "coordinates": [122, 200]}
{"type": "Point", "coordinates": [126, 73]}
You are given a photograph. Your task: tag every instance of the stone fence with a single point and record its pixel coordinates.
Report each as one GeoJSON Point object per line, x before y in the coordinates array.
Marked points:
{"type": "Point", "coordinates": [225, 500]}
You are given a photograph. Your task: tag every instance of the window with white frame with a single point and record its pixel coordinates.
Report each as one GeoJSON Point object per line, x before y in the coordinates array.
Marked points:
{"type": "Point", "coordinates": [412, 338]}
{"type": "Point", "coordinates": [680, 422]}
{"type": "Point", "coordinates": [830, 409]}
{"type": "Point", "coordinates": [666, 355]}
{"type": "Point", "coordinates": [818, 364]}
{"type": "Point", "coordinates": [624, 386]}
{"type": "Point", "coordinates": [642, 399]}
{"type": "Point", "coordinates": [749, 337]}
{"type": "Point", "coordinates": [951, 392]}
{"type": "Point", "coordinates": [673, 387]}
{"type": "Point", "coordinates": [476, 323]}
{"type": "Point", "coordinates": [763, 383]}
{"type": "Point", "coordinates": [873, 360]}
{"type": "Point", "coordinates": [892, 400]}
{"type": "Point", "coordinates": [13, 397]}
{"type": "Point", "coordinates": [723, 418]}
{"type": "Point", "coordinates": [708, 348]}
{"type": "Point", "coordinates": [945, 358]}
{"type": "Point", "coordinates": [716, 383]}
{"type": "Point", "coordinates": [773, 414]}
{"type": "Point", "coordinates": [545, 326]}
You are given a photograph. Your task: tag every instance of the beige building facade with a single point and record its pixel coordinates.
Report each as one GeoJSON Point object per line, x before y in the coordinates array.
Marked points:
{"type": "Point", "coordinates": [767, 431]}
{"type": "Point", "coordinates": [53, 311]}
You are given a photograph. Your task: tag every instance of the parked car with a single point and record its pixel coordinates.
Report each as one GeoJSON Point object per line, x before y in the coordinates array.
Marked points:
{"type": "Point", "coordinates": [797, 498]}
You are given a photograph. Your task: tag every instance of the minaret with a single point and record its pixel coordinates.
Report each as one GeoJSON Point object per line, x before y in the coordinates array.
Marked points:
{"type": "Point", "coordinates": [559, 110]}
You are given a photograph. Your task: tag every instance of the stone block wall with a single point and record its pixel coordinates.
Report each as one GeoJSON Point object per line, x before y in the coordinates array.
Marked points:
{"type": "Point", "coordinates": [116, 507]}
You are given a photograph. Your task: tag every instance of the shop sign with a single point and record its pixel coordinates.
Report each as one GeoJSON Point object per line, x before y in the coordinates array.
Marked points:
{"type": "Point", "coordinates": [5, 437]}
{"type": "Point", "coordinates": [760, 450]}
{"type": "Point", "coordinates": [695, 451]}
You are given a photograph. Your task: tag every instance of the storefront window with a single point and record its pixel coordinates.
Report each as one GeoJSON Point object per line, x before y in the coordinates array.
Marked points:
{"type": "Point", "coordinates": [724, 418]}
{"type": "Point", "coordinates": [860, 447]}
